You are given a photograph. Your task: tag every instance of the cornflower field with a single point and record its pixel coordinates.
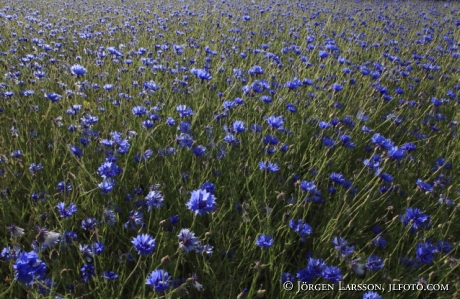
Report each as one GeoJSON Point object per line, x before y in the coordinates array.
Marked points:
{"type": "Point", "coordinates": [229, 149]}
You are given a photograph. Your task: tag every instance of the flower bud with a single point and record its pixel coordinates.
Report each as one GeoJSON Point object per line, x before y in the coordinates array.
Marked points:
{"type": "Point", "coordinates": [165, 260]}
{"type": "Point", "coordinates": [260, 294]}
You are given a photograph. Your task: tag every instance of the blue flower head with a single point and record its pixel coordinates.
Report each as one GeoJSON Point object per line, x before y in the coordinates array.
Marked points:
{"type": "Point", "coordinates": [341, 246]}
{"type": "Point", "coordinates": [264, 241]}
{"type": "Point", "coordinates": [29, 267]}
{"type": "Point", "coordinates": [187, 240]}
{"type": "Point", "coordinates": [374, 263]}
{"type": "Point", "coordinates": [425, 252]}
{"type": "Point", "coordinates": [332, 273]}
{"type": "Point", "coordinates": [66, 212]}
{"type": "Point", "coordinates": [154, 199]}
{"type": "Point", "coordinates": [158, 280]}
{"type": "Point", "coordinates": [144, 244]}
{"type": "Point", "coordinates": [201, 202]}
{"type": "Point", "coordinates": [78, 70]}
{"type": "Point", "coordinates": [416, 218]}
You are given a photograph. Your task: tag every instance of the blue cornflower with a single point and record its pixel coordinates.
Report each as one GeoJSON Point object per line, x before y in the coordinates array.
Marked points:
{"type": "Point", "coordinates": [109, 87]}
{"type": "Point", "coordinates": [109, 275]}
{"type": "Point", "coordinates": [286, 276]}
{"type": "Point", "coordinates": [291, 107]}
{"type": "Point", "coordinates": [346, 141]}
{"type": "Point", "coordinates": [201, 74]}
{"type": "Point", "coordinates": [293, 85]}
{"type": "Point", "coordinates": [144, 156]}
{"type": "Point", "coordinates": [135, 219]}
{"type": "Point", "coordinates": [86, 252]}
{"type": "Point", "coordinates": [275, 122]}
{"type": "Point", "coordinates": [107, 185]}
{"type": "Point", "coordinates": [300, 227]}
{"type": "Point", "coordinates": [371, 295]}
{"type": "Point", "coordinates": [185, 127]}
{"type": "Point", "coordinates": [10, 253]}
{"type": "Point", "coordinates": [382, 141]}
{"type": "Point", "coordinates": [205, 250]}
{"type": "Point", "coordinates": [62, 187]}
{"type": "Point", "coordinates": [76, 151]}
{"type": "Point", "coordinates": [78, 70]}
{"type": "Point", "coordinates": [421, 185]}
{"type": "Point", "coordinates": [379, 241]}
{"type": "Point", "coordinates": [89, 223]}
{"type": "Point", "coordinates": [386, 177]}
{"type": "Point", "coordinates": [170, 121]}
{"type": "Point", "coordinates": [238, 101]}
{"type": "Point", "coordinates": [416, 218]}
{"type": "Point", "coordinates": [201, 202]}
{"type": "Point", "coordinates": [316, 267]}
{"type": "Point", "coordinates": [409, 146]}
{"type": "Point", "coordinates": [16, 154]}
{"type": "Point", "coordinates": [256, 128]}
{"type": "Point", "coordinates": [272, 167]}
{"type": "Point", "coordinates": [336, 87]}
{"type": "Point", "coordinates": [187, 240]}
{"type": "Point", "coordinates": [425, 252]}
{"type": "Point", "coordinates": [28, 267]}
{"type": "Point", "coordinates": [231, 139]}
{"type": "Point", "coordinates": [199, 150]}
{"type": "Point", "coordinates": [238, 126]}
{"type": "Point", "coordinates": [341, 246]}
{"type": "Point", "coordinates": [66, 212]}
{"type": "Point", "coordinates": [309, 187]}
{"type": "Point", "coordinates": [34, 168]}
{"type": "Point", "coordinates": [324, 125]}
{"type": "Point", "coordinates": [87, 271]}
{"type": "Point", "coordinates": [323, 54]}
{"type": "Point", "coordinates": [337, 178]}
{"type": "Point", "coordinates": [150, 87]}
{"type": "Point", "coordinates": [396, 153]}
{"type": "Point", "coordinates": [208, 186]}
{"type": "Point", "coordinates": [98, 248]}
{"type": "Point", "coordinates": [184, 140]}
{"type": "Point", "coordinates": [304, 275]}
{"type": "Point", "coordinates": [332, 273]}
{"type": "Point", "coordinates": [374, 263]}
{"type": "Point", "coordinates": [174, 219]}
{"type": "Point", "coordinates": [328, 141]}
{"type": "Point", "coordinates": [68, 237]}
{"type": "Point", "coordinates": [109, 216]}
{"type": "Point", "coordinates": [184, 111]}
{"type": "Point", "coordinates": [264, 241]}
{"type": "Point", "coordinates": [108, 170]}
{"type": "Point", "coordinates": [159, 280]}
{"type": "Point", "coordinates": [154, 199]}
{"type": "Point", "coordinates": [144, 244]}
{"type": "Point", "coordinates": [444, 246]}
{"type": "Point", "coordinates": [139, 110]}
{"type": "Point", "coordinates": [266, 99]}
{"type": "Point", "coordinates": [53, 97]}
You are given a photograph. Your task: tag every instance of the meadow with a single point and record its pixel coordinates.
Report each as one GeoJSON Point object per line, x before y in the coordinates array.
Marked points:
{"type": "Point", "coordinates": [229, 149]}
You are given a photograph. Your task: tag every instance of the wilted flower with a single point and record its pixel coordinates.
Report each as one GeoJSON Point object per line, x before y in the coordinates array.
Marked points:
{"type": "Point", "coordinates": [15, 231]}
